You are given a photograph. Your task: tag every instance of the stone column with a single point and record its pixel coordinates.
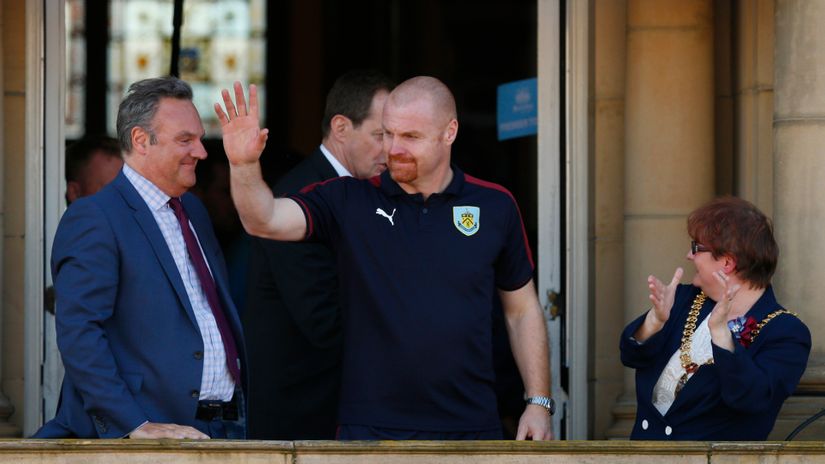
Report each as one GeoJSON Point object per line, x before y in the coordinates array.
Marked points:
{"type": "Point", "coordinates": [754, 102]}
{"type": "Point", "coordinates": [669, 147]}
{"type": "Point", "coordinates": [609, 22]}
{"type": "Point", "coordinates": [799, 170]}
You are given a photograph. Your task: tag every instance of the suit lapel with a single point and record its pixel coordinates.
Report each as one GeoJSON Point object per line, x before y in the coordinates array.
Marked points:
{"type": "Point", "coordinates": [143, 216]}
{"type": "Point", "coordinates": [322, 166]}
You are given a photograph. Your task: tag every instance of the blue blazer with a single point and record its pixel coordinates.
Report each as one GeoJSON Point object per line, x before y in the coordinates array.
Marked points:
{"type": "Point", "coordinates": [125, 327]}
{"type": "Point", "coordinates": [736, 398]}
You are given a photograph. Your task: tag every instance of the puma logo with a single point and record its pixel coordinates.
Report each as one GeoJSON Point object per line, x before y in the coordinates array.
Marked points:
{"type": "Point", "coordinates": [381, 212]}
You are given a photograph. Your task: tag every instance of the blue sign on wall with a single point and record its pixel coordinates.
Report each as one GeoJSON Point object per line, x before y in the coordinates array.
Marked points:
{"type": "Point", "coordinates": [517, 109]}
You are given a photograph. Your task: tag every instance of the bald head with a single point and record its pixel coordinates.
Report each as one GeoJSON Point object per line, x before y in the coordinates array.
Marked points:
{"type": "Point", "coordinates": [420, 127]}
{"type": "Point", "coordinates": [426, 88]}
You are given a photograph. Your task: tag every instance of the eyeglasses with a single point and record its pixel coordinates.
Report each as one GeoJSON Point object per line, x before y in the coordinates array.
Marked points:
{"type": "Point", "coordinates": [696, 247]}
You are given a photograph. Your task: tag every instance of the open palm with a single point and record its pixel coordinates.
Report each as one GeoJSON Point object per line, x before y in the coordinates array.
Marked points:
{"type": "Point", "coordinates": [662, 296]}
{"type": "Point", "coordinates": [243, 138]}
{"type": "Point", "coordinates": [721, 312]}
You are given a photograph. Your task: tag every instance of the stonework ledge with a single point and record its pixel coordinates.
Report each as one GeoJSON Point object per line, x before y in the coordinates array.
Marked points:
{"type": "Point", "coordinates": [185, 451]}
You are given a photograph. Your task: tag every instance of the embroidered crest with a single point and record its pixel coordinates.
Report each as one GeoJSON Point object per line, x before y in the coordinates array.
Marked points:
{"type": "Point", "coordinates": [466, 219]}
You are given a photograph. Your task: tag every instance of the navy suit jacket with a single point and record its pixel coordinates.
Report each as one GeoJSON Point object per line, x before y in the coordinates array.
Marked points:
{"type": "Point", "coordinates": [125, 327]}
{"type": "Point", "coordinates": [292, 322]}
{"type": "Point", "coordinates": [736, 398]}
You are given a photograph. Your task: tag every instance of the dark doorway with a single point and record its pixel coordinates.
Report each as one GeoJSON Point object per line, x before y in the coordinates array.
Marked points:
{"type": "Point", "coordinates": [473, 46]}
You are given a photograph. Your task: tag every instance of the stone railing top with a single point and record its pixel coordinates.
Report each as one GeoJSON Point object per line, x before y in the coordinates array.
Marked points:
{"type": "Point", "coordinates": [331, 452]}
{"type": "Point", "coordinates": [416, 447]}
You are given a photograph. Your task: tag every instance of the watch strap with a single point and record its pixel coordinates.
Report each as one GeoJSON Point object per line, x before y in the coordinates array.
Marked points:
{"type": "Point", "coordinates": [544, 401]}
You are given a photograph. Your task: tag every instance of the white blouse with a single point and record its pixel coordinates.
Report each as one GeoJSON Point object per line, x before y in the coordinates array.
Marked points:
{"type": "Point", "coordinates": [700, 352]}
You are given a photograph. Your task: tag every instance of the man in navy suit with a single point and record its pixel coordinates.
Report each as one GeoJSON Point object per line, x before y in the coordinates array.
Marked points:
{"type": "Point", "coordinates": [148, 333]}
{"type": "Point", "coordinates": [292, 319]}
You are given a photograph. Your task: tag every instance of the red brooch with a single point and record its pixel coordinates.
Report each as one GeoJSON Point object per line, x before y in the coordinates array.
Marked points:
{"type": "Point", "coordinates": [746, 336]}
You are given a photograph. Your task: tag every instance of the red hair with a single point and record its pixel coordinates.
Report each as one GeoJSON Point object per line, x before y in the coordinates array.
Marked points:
{"type": "Point", "coordinates": [735, 227]}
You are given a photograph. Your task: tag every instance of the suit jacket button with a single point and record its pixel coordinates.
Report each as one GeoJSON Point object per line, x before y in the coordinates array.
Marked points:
{"type": "Point", "coordinates": [668, 430]}
{"type": "Point", "coordinates": [645, 425]}
{"type": "Point", "coordinates": [198, 355]}
{"type": "Point", "coordinates": [195, 394]}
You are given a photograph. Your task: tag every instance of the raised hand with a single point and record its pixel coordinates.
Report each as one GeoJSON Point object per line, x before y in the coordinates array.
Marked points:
{"type": "Point", "coordinates": [662, 295]}
{"type": "Point", "coordinates": [720, 315]}
{"type": "Point", "coordinates": [243, 138]}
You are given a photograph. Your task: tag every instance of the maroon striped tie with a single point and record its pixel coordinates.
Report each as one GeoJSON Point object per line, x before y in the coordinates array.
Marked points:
{"type": "Point", "coordinates": [208, 286]}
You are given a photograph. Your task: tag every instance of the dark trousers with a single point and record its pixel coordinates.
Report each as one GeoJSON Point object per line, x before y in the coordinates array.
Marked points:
{"type": "Point", "coordinates": [307, 410]}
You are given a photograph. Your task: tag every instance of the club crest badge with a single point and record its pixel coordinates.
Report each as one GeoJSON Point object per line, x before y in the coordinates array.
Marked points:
{"type": "Point", "coordinates": [466, 219]}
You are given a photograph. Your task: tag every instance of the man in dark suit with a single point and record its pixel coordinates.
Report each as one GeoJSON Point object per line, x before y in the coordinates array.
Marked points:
{"type": "Point", "coordinates": [147, 331]}
{"type": "Point", "coordinates": [292, 318]}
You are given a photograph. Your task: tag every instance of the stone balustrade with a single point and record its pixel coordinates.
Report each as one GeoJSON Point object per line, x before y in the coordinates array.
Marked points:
{"type": "Point", "coordinates": [310, 452]}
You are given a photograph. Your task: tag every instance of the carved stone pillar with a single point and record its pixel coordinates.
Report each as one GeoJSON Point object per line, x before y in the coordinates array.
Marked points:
{"type": "Point", "coordinates": [799, 167]}
{"type": "Point", "coordinates": [669, 147]}
{"type": "Point", "coordinates": [609, 33]}
{"type": "Point", "coordinates": [754, 70]}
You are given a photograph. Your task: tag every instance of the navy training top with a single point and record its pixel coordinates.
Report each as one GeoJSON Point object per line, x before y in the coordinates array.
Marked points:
{"type": "Point", "coordinates": [417, 280]}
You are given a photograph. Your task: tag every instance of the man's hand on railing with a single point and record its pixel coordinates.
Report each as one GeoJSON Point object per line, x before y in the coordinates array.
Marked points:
{"type": "Point", "coordinates": [156, 430]}
{"type": "Point", "coordinates": [535, 424]}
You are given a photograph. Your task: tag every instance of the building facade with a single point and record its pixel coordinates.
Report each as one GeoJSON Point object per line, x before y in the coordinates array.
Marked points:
{"type": "Point", "coordinates": [659, 105]}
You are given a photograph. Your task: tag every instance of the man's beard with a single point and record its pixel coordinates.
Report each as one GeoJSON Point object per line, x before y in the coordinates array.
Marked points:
{"type": "Point", "coordinates": [403, 168]}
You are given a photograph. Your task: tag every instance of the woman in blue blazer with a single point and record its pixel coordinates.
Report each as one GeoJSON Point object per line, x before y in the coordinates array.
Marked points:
{"type": "Point", "coordinates": [716, 359]}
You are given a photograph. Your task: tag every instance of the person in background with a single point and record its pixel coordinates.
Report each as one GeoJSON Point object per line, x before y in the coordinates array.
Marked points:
{"type": "Point", "coordinates": [716, 358]}
{"type": "Point", "coordinates": [91, 163]}
{"type": "Point", "coordinates": [292, 319]}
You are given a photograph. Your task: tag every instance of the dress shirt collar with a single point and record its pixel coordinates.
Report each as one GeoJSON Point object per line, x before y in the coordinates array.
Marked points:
{"type": "Point", "coordinates": [151, 194]}
{"type": "Point", "coordinates": [339, 168]}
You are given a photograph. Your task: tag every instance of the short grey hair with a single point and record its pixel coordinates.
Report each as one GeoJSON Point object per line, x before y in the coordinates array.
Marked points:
{"type": "Point", "coordinates": [141, 103]}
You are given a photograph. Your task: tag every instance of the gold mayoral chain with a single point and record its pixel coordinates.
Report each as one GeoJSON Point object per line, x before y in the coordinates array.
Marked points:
{"type": "Point", "coordinates": [767, 319]}
{"type": "Point", "coordinates": [687, 335]}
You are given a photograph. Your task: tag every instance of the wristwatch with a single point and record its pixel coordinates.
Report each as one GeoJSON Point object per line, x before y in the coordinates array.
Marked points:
{"type": "Point", "coordinates": [545, 402]}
